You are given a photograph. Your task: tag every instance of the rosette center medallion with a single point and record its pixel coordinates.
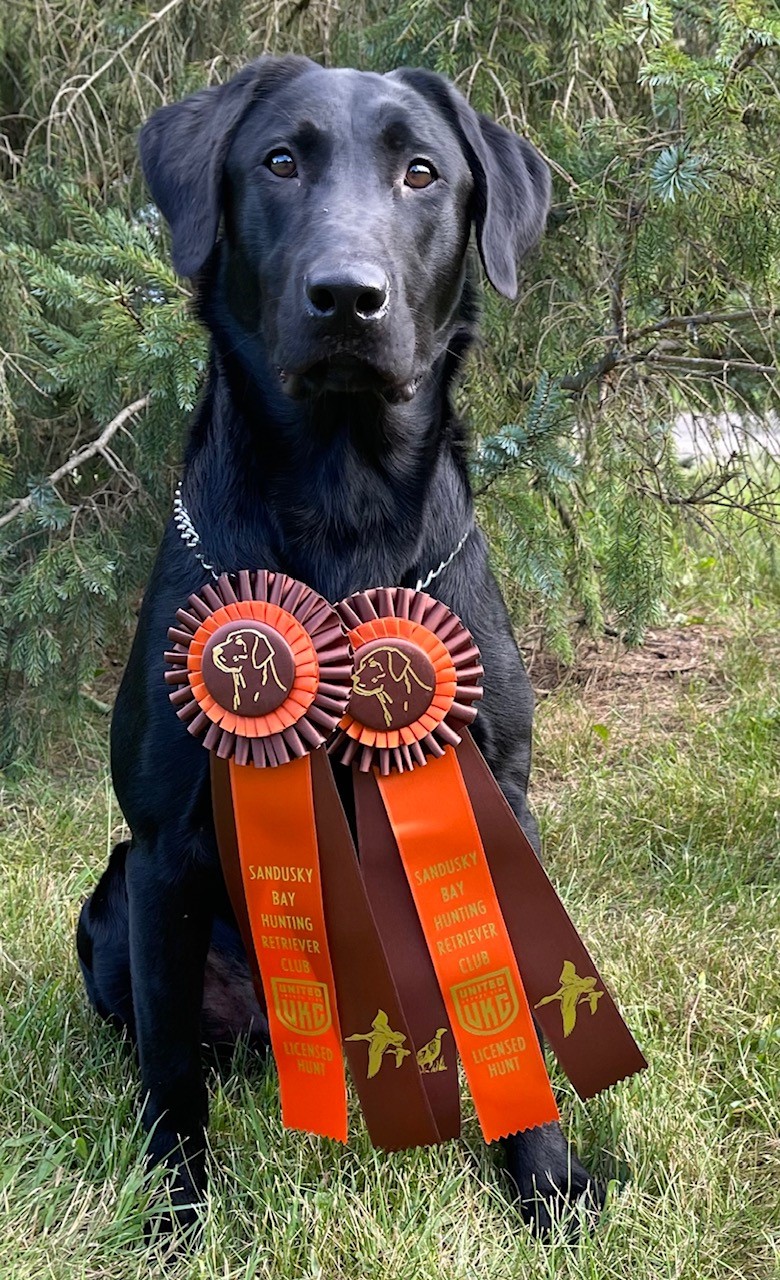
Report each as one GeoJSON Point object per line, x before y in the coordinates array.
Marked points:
{"type": "Point", "coordinates": [393, 685]}
{"type": "Point", "coordinates": [248, 668]}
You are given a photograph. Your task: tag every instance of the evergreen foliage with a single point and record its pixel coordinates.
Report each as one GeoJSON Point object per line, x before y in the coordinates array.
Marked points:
{"type": "Point", "coordinates": [653, 294]}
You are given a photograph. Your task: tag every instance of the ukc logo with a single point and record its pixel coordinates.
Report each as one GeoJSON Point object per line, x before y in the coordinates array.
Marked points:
{"type": "Point", "coordinates": [301, 1006]}
{"type": "Point", "coordinates": [486, 1006]}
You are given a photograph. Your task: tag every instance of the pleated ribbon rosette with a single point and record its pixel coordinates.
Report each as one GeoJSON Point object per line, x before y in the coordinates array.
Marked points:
{"type": "Point", "coordinates": [477, 938]}
{"type": "Point", "coordinates": [262, 668]}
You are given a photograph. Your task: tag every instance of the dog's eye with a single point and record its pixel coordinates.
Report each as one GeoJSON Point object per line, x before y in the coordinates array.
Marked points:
{"type": "Point", "coordinates": [281, 163]}
{"type": "Point", "coordinates": [420, 173]}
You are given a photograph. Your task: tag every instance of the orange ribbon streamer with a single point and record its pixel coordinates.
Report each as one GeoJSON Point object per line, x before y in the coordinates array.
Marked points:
{"type": "Point", "coordinates": [277, 843]}
{"type": "Point", "coordinates": [444, 860]}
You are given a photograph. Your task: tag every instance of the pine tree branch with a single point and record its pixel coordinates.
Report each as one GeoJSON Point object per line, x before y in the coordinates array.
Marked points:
{"type": "Point", "coordinates": [78, 90]}
{"type": "Point", "coordinates": [81, 456]}
{"type": "Point", "coordinates": [577, 382]}
{"type": "Point", "coordinates": [564, 515]}
{"type": "Point", "coordinates": [742, 61]}
{"type": "Point", "coordinates": [711, 365]}
{"type": "Point", "coordinates": [705, 317]}
{"type": "Point", "coordinates": [759, 508]}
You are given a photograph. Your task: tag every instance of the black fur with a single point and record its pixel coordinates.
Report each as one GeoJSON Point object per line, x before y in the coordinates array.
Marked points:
{"type": "Point", "coordinates": [325, 445]}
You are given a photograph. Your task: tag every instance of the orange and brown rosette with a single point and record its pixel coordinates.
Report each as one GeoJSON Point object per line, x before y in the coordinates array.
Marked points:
{"type": "Point", "coordinates": [261, 668]}
{"type": "Point", "coordinates": [476, 936]}
{"type": "Point", "coordinates": [416, 679]}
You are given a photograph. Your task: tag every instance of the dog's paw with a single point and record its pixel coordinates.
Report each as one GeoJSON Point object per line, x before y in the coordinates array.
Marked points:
{"type": "Point", "coordinates": [176, 1204]}
{"type": "Point", "coordinates": [574, 1200]}
{"type": "Point", "coordinates": [550, 1183]}
{"type": "Point", "coordinates": [174, 1217]}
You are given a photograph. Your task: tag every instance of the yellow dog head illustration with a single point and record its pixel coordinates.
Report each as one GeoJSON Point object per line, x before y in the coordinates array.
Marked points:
{"type": "Point", "coordinates": [383, 674]}
{"type": "Point", "coordinates": [246, 649]}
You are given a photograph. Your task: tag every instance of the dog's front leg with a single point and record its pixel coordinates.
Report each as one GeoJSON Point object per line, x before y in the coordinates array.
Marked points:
{"type": "Point", "coordinates": [170, 922]}
{"type": "Point", "coordinates": [544, 1169]}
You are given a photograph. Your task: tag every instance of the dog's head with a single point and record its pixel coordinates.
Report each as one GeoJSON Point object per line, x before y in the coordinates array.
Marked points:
{"type": "Point", "coordinates": [347, 200]}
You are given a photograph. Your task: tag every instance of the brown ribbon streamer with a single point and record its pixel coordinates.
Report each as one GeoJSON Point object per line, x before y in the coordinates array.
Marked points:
{"type": "Point", "coordinates": [394, 1100]}
{"type": "Point", "coordinates": [227, 843]}
{"type": "Point", "coordinates": [597, 1048]}
{"type": "Point", "coordinates": [407, 951]}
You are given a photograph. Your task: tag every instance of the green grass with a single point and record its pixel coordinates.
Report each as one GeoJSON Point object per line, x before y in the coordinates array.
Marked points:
{"type": "Point", "coordinates": [661, 833]}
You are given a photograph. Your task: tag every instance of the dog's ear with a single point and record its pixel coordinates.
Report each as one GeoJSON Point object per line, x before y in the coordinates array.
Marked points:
{"type": "Point", "coordinates": [511, 181]}
{"type": "Point", "coordinates": [511, 196]}
{"type": "Point", "coordinates": [183, 149]}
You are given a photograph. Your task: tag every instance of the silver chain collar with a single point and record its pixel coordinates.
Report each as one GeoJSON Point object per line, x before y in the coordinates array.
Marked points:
{"type": "Point", "coordinates": [191, 538]}
{"type": "Point", "coordinates": [187, 531]}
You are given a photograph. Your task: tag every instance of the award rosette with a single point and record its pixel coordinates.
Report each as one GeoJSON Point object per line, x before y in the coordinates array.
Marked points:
{"type": "Point", "coordinates": [261, 667]}
{"type": "Point", "coordinates": [475, 933]}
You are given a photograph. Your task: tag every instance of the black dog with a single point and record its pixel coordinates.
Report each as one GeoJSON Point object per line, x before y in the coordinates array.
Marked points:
{"type": "Point", "coordinates": [325, 446]}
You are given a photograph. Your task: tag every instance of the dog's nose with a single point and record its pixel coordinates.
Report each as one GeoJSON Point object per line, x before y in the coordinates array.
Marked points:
{"type": "Point", "coordinates": [352, 295]}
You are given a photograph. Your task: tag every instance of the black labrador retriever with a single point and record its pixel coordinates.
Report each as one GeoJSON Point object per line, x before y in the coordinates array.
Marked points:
{"type": "Point", "coordinates": [325, 446]}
